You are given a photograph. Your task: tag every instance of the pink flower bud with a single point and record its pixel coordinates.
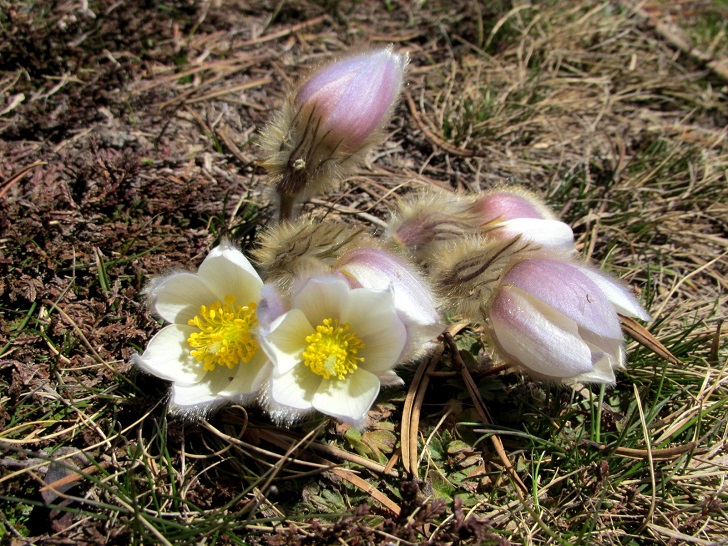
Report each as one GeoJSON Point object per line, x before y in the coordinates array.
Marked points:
{"type": "Point", "coordinates": [327, 126]}
{"type": "Point", "coordinates": [550, 317]}
{"type": "Point", "coordinates": [352, 97]}
{"type": "Point", "coordinates": [507, 214]}
{"type": "Point", "coordinates": [378, 269]}
{"type": "Point", "coordinates": [502, 206]}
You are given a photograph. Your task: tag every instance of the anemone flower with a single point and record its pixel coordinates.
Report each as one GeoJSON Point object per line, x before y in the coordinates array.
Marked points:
{"type": "Point", "coordinates": [550, 317]}
{"type": "Point", "coordinates": [329, 123]}
{"type": "Point", "coordinates": [332, 351]}
{"type": "Point", "coordinates": [209, 351]}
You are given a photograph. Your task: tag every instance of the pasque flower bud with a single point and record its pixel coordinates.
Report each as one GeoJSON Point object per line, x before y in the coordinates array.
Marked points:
{"type": "Point", "coordinates": [430, 217]}
{"type": "Point", "coordinates": [374, 268]}
{"type": "Point", "coordinates": [509, 212]}
{"type": "Point", "coordinates": [304, 246]}
{"type": "Point", "coordinates": [329, 122]}
{"type": "Point", "coordinates": [549, 317]}
{"type": "Point", "coordinates": [433, 217]}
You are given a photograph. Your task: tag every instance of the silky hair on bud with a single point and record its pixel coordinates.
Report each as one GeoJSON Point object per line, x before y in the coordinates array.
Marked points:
{"type": "Point", "coordinates": [428, 217]}
{"type": "Point", "coordinates": [305, 245]}
{"type": "Point", "coordinates": [468, 272]}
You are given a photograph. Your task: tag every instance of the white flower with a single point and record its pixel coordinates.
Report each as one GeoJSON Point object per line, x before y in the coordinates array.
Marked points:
{"type": "Point", "coordinates": [332, 351]}
{"type": "Point", "coordinates": [209, 351]}
{"type": "Point", "coordinates": [559, 320]}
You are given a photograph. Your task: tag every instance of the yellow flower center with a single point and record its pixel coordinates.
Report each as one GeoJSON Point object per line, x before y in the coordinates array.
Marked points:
{"type": "Point", "coordinates": [224, 338]}
{"type": "Point", "coordinates": [331, 350]}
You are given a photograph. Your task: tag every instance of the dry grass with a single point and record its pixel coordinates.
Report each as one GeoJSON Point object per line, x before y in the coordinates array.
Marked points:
{"type": "Point", "coordinates": [128, 149]}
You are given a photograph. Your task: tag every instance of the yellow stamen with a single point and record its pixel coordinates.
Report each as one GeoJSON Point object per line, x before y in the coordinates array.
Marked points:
{"type": "Point", "coordinates": [331, 351]}
{"type": "Point", "coordinates": [224, 338]}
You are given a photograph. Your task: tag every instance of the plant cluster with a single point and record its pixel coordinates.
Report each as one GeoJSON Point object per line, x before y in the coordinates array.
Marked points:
{"type": "Point", "coordinates": [337, 309]}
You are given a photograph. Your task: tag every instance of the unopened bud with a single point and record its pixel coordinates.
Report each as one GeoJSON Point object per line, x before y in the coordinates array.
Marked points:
{"type": "Point", "coordinates": [430, 217]}
{"type": "Point", "coordinates": [550, 318]}
{"type": "Point", "coordinates": [507, 213]}
{"type": "Point", "coordinates": [333, 118]}
{"type": "Point", "coordinates": [304, 246]}
{"type": "Point", "coordinates": [469, 271]}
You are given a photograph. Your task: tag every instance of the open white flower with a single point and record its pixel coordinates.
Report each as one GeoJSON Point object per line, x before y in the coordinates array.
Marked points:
{"type": "Point", "coordinates": [332, 351]}
{"type": "Point", "coordinates": [209, 351]}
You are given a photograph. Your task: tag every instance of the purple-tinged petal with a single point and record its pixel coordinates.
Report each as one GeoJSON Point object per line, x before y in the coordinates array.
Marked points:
{"type": "Point", "coordinates": [378, 269]}
{"type": "Point", "coordinates": [353, 96]}
{"type": "Point", "coordinates": [567, 290]}
{"type": "Point", "coordinates": [505, 206]}
{"type": "Point", "coordinates": [537, 336]}
{"type": "Point", "coordinates": [620, 296]}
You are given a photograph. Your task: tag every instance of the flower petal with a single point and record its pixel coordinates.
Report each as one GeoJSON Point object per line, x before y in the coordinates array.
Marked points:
{"type": "Point", "coordinates": [563, 287]}
{"type": "Point", "coordinates": [206, 393]}
{"type": "Point", "coordinates": [549, 233]}
{"type": "Point", "coordinates": [248, 377]}
{"type": "Point", "coordinates": [295, 388]}
{"type": "Point", "coordinates": [378, 269]}
{"type": "Point", "coordinates": [537, 336]}
{"type": "Point", "coordinates": [321, 298]}
{"type": "Point", "coordinates": [354, 95]}
{"type": "Point", "coordinates": [227, 272]}
{"type": "Point", "coordinates": [619, 295]}
{"type": "Point", "coordinates": [605, 348]}
{"type": "Point", "coordinates": [373, 318]}
{"type": "Point", "coordinates": [286, 340]}
{"type": "Point", "coordinates": [348, 400]}
{"type": "Point", "coordinates": [602, 373]}
{"type": "Point", "coordinates": [501, 206]}
{"type": "Point", "coordinates": [272, 305]}
{"type": "Point", "coordinates": [168, 356]}
{"type": "Point", "coordinates": [178, 297]}
{"type": "Point", "coordinates": [390, 379]}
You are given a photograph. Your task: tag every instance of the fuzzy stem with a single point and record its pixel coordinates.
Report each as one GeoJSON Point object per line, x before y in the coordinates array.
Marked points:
{"type": "Point", "coordinates": [285, 211]}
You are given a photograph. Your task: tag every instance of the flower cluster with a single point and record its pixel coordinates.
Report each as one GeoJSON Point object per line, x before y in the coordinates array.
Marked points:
{"type": "Point", "coordinates": [327, 342]}
{"type": "Point", "coordinates": [337, 309]}
{"type": "Point", "coordinates": [502, 258]}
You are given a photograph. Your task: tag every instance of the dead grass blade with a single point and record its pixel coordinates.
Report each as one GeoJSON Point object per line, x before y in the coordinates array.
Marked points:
{"type": "Point", "coordinates": [411, 411]}
{"type": "Point", "coordinates": [482, 410]}
{"type": "Point", "coordinates": [291, 445]}
{"type": "Point", "coordinates": [368, 488]}
{"type": "Point", "coordinates": [645, 338]}
{"type": "Point", "coordinates": [284, 439]}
